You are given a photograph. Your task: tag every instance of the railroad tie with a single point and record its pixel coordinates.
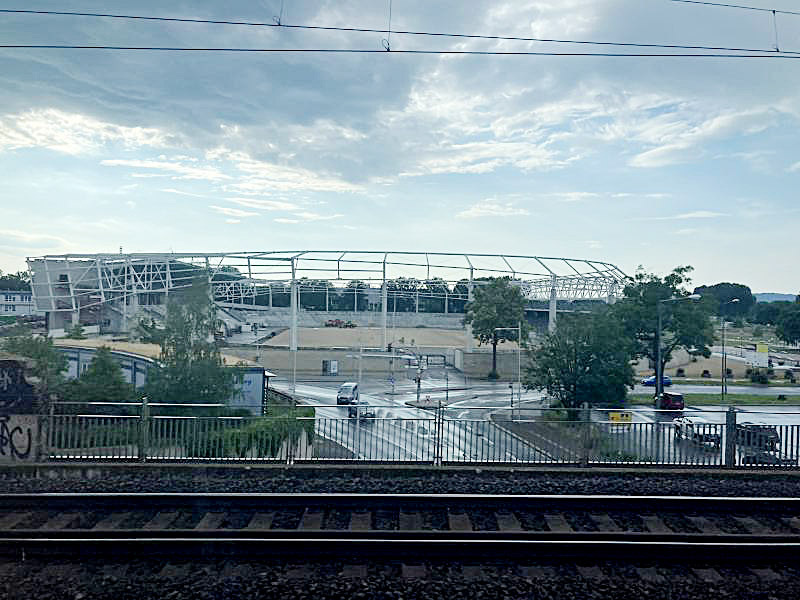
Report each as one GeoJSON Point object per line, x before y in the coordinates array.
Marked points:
{"type": "Point", "coordinates": [211, 520]}
{"type": "Point", "coordinates": [311, 520]}
{"type": "Point", "coordinates": [353, 572]}
{"type": "Point", "coordinates": [476, 573]}
{"type": "Point", "coordinates": [540, 573]}
{"type": "Point", "coordinates": [410, 521]}
{"type": "Point", "coordinates": [13, 519]}
{"type": "Point", "coordinates": [766, 574]}
{"type": "Point", "coordinates": [650, 575]}
{"type": "Point", "coordinates": [162, 520]}
{"type": "Point", "coordinates": [361, 521]}
{"type": "Point", "coordinates": [605, 523]}
{"type": "Point", "coordinates": [793, 522]}
{"type": "Point", "coordinates": [558, 523]}
{"type": "Point", "coordinates": [414, 571]}
{"type": "Point", "coordinates": [654, 524]}
{"type": "Point", "coordinates": [508, 521]}
{"type": "Point", "coordinates": [752, 526]}
{"type": "Point", "coordinates": [591, 572]}
{"type": "Point", "coordinates": [61, 521]}
{"type": "Point", "coordinates": [459, 522]}
{"type": "Point", "coordinates": [260, 521]}
{"type": "Point", "coordinates": [705, 525]}
{"type": "Point", "coordinates": [112, 521]}
{"type": "Point", "coordinates": [300, 572]}
{"type": "Point", "coordinates": [170, 571]}
{"type": "Point", "coordinates": [708, 575]}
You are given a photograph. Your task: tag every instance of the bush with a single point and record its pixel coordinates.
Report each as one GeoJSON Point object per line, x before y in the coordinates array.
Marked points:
{"type": "Point", "coordinates": [728, 372]}
{"type": "Point", "coordinates": [758, 331]}
{"type": "Point", "coordinates": [789, 376]}
{"type": "Point", "coordinates": [706, 373]}
{"type": "Point", "coordinates": [681, 372]}
{"type": "Point", "coordinates": [758, 377]}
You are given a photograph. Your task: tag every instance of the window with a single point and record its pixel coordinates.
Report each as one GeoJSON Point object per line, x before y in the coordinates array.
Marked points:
{"type": "Point", "coordinates": [10, 308]}
{"type": "Point", "coordinates": [9, 298]}
{"type": "Point", "coordinates": [26, 298]}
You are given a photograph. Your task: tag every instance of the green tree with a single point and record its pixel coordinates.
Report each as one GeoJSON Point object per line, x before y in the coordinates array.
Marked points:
{"type": "Point", "coordinates": [17, 282]}
{"type": "Point", "coordinates": [685, 325]}
{"type": "Point", "coordinates": [586, 359]}
{"type": "Point", "coordinates": [49, 363]}
{"type": "Point", "coordinates": [75, 332]}
{"type": "Point", "coordinates": [723, 293]}
{"type": "Point", "coordinates": [496, 304]}
{"type": "Point", "coordinates": [190, 369]}
{"type": "Point", "coordinates": [102, 381]}
{"type": "Point", "coordinates": [788, 326]}
{"type": "Point", "coordinates": [768, 313]}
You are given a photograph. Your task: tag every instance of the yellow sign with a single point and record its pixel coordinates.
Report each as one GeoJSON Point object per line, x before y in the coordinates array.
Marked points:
{"type": "Point", "coordinates": [620, 417]}
{"type": "Point", "coordinates": [762, 348]}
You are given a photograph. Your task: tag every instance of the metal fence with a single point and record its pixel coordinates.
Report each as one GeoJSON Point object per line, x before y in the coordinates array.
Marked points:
{"type": "Point", "coordinates": [528, 437]}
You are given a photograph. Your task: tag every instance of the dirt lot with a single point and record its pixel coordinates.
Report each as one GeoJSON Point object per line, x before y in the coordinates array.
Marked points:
{"type": "Point", "coordinates": [372, 337]}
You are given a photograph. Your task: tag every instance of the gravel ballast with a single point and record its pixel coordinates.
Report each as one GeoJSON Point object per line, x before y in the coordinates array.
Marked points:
{"type": "Point", "coordinates": [171, 478]}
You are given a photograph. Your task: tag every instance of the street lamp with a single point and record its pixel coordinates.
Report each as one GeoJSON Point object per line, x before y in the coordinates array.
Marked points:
{"type": "Point", "coordinates": [659, 370]}
{"type": "Point", "coordinates": [724, 355]}
{"type": "Point", "coordinates": [518, 329]}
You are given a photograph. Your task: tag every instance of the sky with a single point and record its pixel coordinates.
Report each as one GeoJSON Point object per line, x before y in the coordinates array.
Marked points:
{"type": "Point", "coordinates": [657, 162]}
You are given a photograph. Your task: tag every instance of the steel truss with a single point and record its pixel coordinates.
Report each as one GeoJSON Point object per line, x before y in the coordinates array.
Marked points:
{"type": "Point", "coordinates": [73, 282]}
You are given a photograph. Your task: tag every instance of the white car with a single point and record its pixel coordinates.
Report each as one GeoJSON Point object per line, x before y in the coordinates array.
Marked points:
{"type": "Point", "coordinates": [697, 431]}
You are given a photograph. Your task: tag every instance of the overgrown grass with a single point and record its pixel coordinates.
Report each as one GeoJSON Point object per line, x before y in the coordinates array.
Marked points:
{"type": "Point", "coordinates": [779, 382]}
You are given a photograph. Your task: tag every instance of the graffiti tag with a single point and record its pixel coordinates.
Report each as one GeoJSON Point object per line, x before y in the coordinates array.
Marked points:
{"type": "Point", "coordinates": [16, 437]}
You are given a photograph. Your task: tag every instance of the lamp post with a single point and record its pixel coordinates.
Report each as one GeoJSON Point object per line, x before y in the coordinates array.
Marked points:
{"type": "Point", "coordinates": [724, 355]}
{"type": "Point", "coordinates": [518, 329]}
{"type": "Point", "coordinates": [659, 370]}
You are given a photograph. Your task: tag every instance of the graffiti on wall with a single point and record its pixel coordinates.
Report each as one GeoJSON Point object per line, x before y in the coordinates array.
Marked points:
{"type": "Point", "coordinates": [16, 395]}
{"type": "Point", "coordinates": [18, 434]}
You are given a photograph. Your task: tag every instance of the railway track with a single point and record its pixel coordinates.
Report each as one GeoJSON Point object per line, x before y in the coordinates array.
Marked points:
{"type": "Point", "coordinates": [403, 527]}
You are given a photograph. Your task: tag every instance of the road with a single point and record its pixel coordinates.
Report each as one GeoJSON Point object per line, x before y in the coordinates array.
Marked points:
{"type": "Point", "coordinates": [717, 389]}
{"type": "Point", "coordinates": [403, 433]}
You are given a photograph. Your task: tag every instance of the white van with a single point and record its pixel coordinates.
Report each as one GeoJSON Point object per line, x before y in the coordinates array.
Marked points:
{"type": "Point", "coordinates": [348, 393]}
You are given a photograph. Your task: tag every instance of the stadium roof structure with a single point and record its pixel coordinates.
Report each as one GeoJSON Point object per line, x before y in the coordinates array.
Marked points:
{"type": "Point", "coordinates": [236, 275]}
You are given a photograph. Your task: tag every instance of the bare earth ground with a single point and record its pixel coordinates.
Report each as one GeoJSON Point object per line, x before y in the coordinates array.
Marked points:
{"type": "Point", "coordinates": [372, 337]}
{"type": "Point", "coordinates": [148, 350]}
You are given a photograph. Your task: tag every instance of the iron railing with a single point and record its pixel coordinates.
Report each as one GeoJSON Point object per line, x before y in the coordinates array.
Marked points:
{"type": "Point", "coordinates": [581, 437]}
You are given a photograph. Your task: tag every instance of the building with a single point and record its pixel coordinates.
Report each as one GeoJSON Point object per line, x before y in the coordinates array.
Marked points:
{"type": "Point", "coordinates": [16, 303]}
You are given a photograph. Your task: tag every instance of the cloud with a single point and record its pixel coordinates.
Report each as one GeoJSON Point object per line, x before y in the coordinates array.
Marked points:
{"type": "Point", "coordinates": [594, 244]}
{"type": "Point", "coordinates": [264, 204]}
{"type": "Point", "coordinates": [697, 214]}
{"type": "Point", "coordinates": [182, 193]}
{"type": "Point", "coordinates": [180, 170]}
{"type": "Point", "coordinates": [71, 133]}
{"type": "Point", "coordinates": [25, 240]}
{"type": "Point", "coordinates": [489, 209]}
{"type": "Point", "coordinates": [232, 221]}
{"type": "Point", "coordinates": [285, 221]}
{"type": "Point", "coordinates": [232, 212]}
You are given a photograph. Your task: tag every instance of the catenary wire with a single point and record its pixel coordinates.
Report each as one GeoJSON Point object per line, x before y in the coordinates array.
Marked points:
{"type": "Point", "coordinates": [739, 6]}
{"type": "Point", "coordinates": [392, 31]}
{"type": "Point", "coordinates": [765, 53]}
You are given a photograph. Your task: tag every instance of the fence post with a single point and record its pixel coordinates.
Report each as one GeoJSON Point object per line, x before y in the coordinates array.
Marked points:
{"type": "Point", "coordinates": [730, 438]}
{"type": "Point", "coordinates": [586, 421]}
{"type": "Point", "coordinates": [50, 433]}
{"type": "Point", "coordinates": [144, 430]}
{"type": "Point", "coordinates": [438, 450]}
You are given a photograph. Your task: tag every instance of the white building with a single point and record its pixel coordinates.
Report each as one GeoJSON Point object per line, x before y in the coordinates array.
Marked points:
{"type": "Point", "coordinates": [15, 303]}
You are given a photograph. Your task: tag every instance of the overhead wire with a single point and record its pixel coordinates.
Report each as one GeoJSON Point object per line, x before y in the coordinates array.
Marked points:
{"type": "Point", "coordinates": [764, 53]}
{"type": "Point", "coordinates": [740, 6]}
{"type": "Point", "coordinates": [390, 31]}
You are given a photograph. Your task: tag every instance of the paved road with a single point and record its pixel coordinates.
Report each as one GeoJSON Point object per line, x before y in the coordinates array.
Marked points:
{"type": "Point", "coordinates": [403, 433]}
{"type": "Point", "coordinates": [717, 389]}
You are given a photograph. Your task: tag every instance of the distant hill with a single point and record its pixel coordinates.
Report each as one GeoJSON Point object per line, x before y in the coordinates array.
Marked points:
{"type": "Point", "coordinates": [770, 297]}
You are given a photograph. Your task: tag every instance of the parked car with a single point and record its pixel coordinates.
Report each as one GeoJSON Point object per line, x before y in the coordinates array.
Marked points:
{"type": "Point", "coordinates": [764, 457]}
{"type": "Point", "coordinates": [347, 394]}
{"type": "Point", "coordinates": [668, 401]}
{"type": "Point", "coordinates": [757, 437]}
{"type": "Point", "coordinates": [651, 381]}
{"type": "Point", "coordinates": [360, 410]}
{"type": "Point", "coordinates": [697, 431]}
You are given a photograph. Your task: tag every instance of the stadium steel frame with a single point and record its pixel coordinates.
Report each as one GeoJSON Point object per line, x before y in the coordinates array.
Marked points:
{"type": "Point", "coordinates": [69, 283]}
